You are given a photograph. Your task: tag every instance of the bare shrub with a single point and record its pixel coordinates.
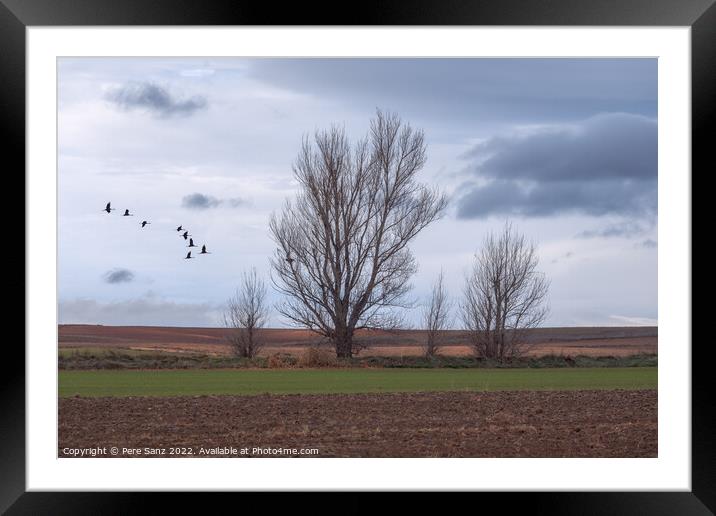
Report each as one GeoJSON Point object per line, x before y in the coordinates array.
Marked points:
{"type": "Point", "coordinates": [504, 295]}
{"type": "Point", "coordinates": [317, 357]}
{"type": "Point", "coordinates": [246, 315]}
{"type": "Point", "coordinates": [436, 317]}
{"type": "Point", "coordinates": [278, 361]}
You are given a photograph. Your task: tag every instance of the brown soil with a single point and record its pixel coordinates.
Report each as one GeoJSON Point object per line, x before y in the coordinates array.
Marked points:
{"type": "Point", "coordinates": [606, 341]}
{"type": "Point", "coordinates": [453, 424]}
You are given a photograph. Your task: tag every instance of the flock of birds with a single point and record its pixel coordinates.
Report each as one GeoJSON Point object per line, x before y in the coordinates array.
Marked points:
{"type": "Point", "coordinates": [184, 233]}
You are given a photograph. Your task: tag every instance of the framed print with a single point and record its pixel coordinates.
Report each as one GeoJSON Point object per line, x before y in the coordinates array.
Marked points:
{"type": "Point", "coordinates": [436, 249]}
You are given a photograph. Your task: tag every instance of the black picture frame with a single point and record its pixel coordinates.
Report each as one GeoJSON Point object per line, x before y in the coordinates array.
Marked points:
{"type": "Point", "coordinates": [16, 15]}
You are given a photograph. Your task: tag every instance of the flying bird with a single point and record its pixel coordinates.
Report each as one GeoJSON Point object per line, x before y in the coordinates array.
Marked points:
{"type": "Point", "coordinates": [127, 214]}
{"type": "Point", "coordinates": [179, 228]}
{"type": "Point", "coordinates": [144, 223]}
{"type": "Point", "coordinates": [185, 234]}
{"type": "Point", "coordinates": [203, 250]}
{"type": "Point", "coordinates": [188, 256]}
{"type": "Point", "coordinates": [191, 243]}
{"type": "Point", "coordinates": [107, 208]}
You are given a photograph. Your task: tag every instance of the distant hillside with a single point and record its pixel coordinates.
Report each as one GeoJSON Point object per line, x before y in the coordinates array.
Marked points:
{"type": "Point", "coordinates": [99, 335]}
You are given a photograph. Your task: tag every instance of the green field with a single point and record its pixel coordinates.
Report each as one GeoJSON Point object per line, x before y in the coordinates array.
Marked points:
{"type": "Point", "coordinates": [322, 381]}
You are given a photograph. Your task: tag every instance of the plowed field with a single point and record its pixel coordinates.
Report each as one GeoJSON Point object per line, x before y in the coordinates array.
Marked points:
{"type": "Point", "coordinates": [600, 341]}
{"type": "Point", "coordinates": [612, 423]}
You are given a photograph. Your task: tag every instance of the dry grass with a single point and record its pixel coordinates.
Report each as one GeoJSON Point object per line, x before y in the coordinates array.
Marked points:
{"type": "Point", "coordinates": [280, 361]}
{"type": "Point", "coordinates": [317, 357]}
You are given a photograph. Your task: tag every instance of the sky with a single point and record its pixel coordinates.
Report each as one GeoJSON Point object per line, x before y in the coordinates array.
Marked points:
{"type": "Point", "coordinates": [565, 149]}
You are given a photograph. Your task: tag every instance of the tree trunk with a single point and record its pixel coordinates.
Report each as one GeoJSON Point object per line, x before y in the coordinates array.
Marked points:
{"type": "Point", "coordinates": [344, 342]}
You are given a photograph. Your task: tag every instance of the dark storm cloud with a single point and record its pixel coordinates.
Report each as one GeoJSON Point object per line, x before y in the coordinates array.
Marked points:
{"type": "Point", "coordinates": [199, 201]}
{"type": "Point", "coordinates": [543, 200]}
{"type": "Point", "coordinates": [118, 276]}
{"type": "Point", "coordinates": [475, 89]}
{"type": "Point", "coordinates": [153, 98]}
{"type": "Point", "coordinates": [604, 165]}
{"type": "Point", "coordinates": [615, 145]}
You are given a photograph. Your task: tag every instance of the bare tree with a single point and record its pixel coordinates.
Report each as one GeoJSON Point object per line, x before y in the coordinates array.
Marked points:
{"type": "Point", "coordinates": [342, 256]}
{"type": "Point", "coordinates": [246, 314]}
{"type": "Point", "coordinates": [436, 317]}
{"type": "Point", "coordinates": [504, 295]}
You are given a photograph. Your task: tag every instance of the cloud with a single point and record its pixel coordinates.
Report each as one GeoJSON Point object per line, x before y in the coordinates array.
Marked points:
{"type": "Point", "coordinates": [649, 244]}
{"type": "Point", "coordinates": [147, 311]}
{"type": "Point", "coordinates": [237, 202]}
{"type": "Point", "coordinates": [595, 198]}
{"type": "Point", "coordinates": [625, 229]}
{"type": "Point", "coordinates": [118, 276]}
{"type": "Point", "coordinates": [197, 72]}
{"type": "Point", "coordinates": [634, 321]}
{"type": "Point", "coordinates": [606, 164]}
{"type": "Point", "coordinates": [468, 89]}
{"type": "Point", "coordinates": [153, 98]}
{"type": "Point", "coordinates": [565, 256]}
{"type": "Point", "coordinates": [199, 201]}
